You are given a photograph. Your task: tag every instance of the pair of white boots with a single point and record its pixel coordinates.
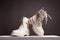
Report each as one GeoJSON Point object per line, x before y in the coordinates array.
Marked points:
{"type": "Point", "coordinates": [36, 22]}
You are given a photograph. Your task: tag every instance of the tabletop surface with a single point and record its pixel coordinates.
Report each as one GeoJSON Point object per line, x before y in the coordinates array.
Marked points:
{"type": "Point", "coordinates": [46, 37]}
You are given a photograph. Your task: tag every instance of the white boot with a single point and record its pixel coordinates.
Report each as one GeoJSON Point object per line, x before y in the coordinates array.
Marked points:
{"type": "Point", "coordinates": [37, 21]}
{"type": "Point", "coordinates": [22, 30]}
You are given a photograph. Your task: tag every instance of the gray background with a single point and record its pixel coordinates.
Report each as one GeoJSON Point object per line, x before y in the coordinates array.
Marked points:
{"type": "Point", "coordinates": [12, 12]}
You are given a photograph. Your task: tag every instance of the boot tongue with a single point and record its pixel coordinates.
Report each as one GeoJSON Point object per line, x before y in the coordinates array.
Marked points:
{"type": "Point", "coordinates": [25, 20]}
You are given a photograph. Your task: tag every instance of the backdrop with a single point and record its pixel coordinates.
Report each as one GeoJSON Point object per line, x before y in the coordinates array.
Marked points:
{"type": "Point", "coordinates": [12, 12]}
